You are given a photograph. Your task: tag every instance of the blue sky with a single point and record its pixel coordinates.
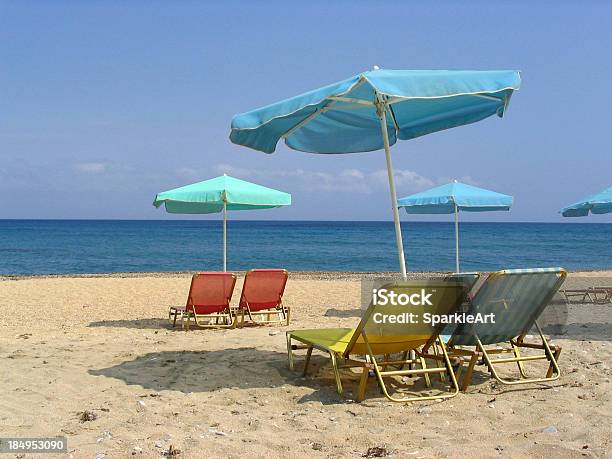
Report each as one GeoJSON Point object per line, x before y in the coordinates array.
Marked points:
{"type": "Point", "coordinates": [105, 103]}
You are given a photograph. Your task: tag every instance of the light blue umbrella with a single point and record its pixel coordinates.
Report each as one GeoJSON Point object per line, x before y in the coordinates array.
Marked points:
{"type": "Point", "coordinates": [220, 194]}
{"type": "Point", "coordinates": [372, 110]}
{"type": "Point", "coordinates": [600, 203]}
{"type": "Point", "coordinates": [450, 199]}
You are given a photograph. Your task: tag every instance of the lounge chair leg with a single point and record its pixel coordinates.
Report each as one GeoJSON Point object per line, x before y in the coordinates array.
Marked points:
{"type": "Point", "coordinates": [289, 351]}
{"type": "Point", "coordinates": [517, 354]}
{"type": "Point", "coordinates": [404, 358]}
{"type": "Point", "coordinates": [307, 362]}
{"type": "Point", "coordinates": [437, 362]}
{"type": "Point", "coordinates": [551, 368]}
{"type": "Point", "coordinates": [336, 372]}
{"type": "Point", "coordinates": [426, 375]}
{"type": "Point", "coordinates": [363, 381]}
{"type": "Point", "coordinates": [467, 377]}
{"type": "Point", "coordinates": [454, 386]}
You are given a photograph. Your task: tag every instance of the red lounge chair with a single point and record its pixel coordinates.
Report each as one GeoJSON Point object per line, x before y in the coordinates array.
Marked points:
{"type": "Point", "coordinates": [262, 295]}
{"type": "Point", "coordinates": [208, 302]}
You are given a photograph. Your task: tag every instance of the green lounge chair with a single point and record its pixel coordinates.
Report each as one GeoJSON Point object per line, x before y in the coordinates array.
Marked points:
{"type": "Point", "coordinates": [374, 339]}
{"type": "Point", "coordinates": [517, 298]}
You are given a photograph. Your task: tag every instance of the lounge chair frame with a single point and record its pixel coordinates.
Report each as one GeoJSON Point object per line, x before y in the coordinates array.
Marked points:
{"type": "Point", "coordinates": [604, 291]}
{"type": "Point", "coordinates": [180, 312]}
{"type": "Point", "coordinates": [222, 319]}
{"type": "Point", "coordinates": [594, 295]}
{"type": "Point", "coordinates": [581, 295]}
{"type": "Point", "coordinates": [412, 358]}
{"type": "Point", "coordinates": [481, 354]}
{"type": "Point", "coordinates": [282, 312]}
{"type": "Point", "coordinates": [371, 363]}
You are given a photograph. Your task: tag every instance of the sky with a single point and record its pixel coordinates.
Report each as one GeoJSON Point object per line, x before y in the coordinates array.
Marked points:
{"type": "Point", "coordinates": [105, 103]}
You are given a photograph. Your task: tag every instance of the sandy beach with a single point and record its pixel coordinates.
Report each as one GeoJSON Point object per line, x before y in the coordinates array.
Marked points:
{"type": "Point", "coordinates": [102, 345]}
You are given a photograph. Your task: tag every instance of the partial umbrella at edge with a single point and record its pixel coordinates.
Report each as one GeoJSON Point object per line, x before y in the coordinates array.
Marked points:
{"type": "Point", "coordinates": [600, 203]}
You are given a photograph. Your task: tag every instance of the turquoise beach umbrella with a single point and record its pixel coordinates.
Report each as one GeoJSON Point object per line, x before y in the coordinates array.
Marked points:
{"type": "Point", "coordinates": [374, 109]}
{"type": "Point", "coordinates": [600, 203]}
{"type": "Point", "coordinates": [450, 199]}
{"type": "Point", "coordinates": [220, 194]}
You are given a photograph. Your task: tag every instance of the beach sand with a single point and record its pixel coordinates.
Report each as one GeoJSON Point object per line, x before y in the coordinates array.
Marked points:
{"type": "Point", "coordinates": [103, 345]}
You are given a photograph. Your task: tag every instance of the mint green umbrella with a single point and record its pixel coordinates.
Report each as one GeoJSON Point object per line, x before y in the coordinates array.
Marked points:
{"type": "Point", "coordinates": [220, 195]}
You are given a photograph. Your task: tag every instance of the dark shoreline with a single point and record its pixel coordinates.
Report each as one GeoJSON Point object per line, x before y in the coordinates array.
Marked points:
{"type": "Point", "coordinates": [315, 275]}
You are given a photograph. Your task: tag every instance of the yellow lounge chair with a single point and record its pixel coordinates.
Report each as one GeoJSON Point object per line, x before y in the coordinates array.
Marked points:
{"type": "Point", "coordinates": [373, 339]}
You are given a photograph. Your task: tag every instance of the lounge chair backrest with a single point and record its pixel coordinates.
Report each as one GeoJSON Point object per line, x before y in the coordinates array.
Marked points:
{"type": "Point", "coordinates": [387, 335]}
{"type": "Point", "coordinates": [516, 297]}
{"type": "Point", "coordinates": [469, 279]}
{"type": "Point", "coordinates": [210, 292]}
{"type": "Point", "coordinates": [263, 288]}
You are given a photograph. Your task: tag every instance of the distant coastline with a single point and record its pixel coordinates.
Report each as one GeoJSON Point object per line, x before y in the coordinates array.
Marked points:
{"type": "Point", "coordinates": [303, 275]}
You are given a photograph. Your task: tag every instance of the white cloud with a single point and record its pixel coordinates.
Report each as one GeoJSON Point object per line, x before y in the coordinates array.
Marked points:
{"type": "Point", "coordinates": [354, 173]}
{"type": "Point", "coordinates": [231, 170]}
{"type": "Point", "coordinates": [346, 180]}
{"type": "Point", "coordinates": [188, 173]}
{"type": "Point", "coordinates": [404, 178]}
{"type": "Point", "coordinates": [90, 168]}
{"type": "Point", "coordinates": [468, 180]}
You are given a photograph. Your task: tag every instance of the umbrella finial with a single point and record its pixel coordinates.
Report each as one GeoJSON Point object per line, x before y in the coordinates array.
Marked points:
{"type": "Point", "coordinates": [376, 67]}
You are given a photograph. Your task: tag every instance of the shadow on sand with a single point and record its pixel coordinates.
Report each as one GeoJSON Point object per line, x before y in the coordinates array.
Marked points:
{"type": "Point", "coordinates": [142, 324]}
{"type": "Point", "coordinates": [343, 313]}
{"type": "Point", "coordinates": [207, 371]}
{"type": "Point", "coordinates": [581, 331]}
{"type": "Point", "coordinates": [237, 368]}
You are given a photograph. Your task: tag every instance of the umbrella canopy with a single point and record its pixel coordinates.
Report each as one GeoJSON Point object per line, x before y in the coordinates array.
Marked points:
{"type": "Point", "coordinates": [221, 194]}
{"type": "Point", "coordinates": [210, 196]}
{"type": "Point", "coordinates": [600, 203]}
{"type": "Point", "coordinates": [450, 199]}
{"type": "Point", "coordinates": [372, 110]}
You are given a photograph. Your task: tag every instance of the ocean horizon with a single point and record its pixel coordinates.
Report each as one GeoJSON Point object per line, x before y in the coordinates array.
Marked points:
{"type": "Point", "coordinates": [31, 247]}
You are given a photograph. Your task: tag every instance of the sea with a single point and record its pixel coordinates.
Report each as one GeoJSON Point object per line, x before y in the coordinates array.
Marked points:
{"type": "Point", "coordinates": [29, 247]}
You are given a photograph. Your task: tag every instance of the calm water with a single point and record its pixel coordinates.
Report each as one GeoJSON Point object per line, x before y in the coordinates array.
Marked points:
{"type": "Point", "coordinates": [97, 246]}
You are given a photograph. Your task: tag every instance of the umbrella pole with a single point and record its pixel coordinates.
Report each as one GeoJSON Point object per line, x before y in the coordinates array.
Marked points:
{"type": "Point", "coordinates": [381, 109]}
{"type": "Point", "coordinates": [224, 235]}
{"type": "Point", "coordinates": [457, 238]}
